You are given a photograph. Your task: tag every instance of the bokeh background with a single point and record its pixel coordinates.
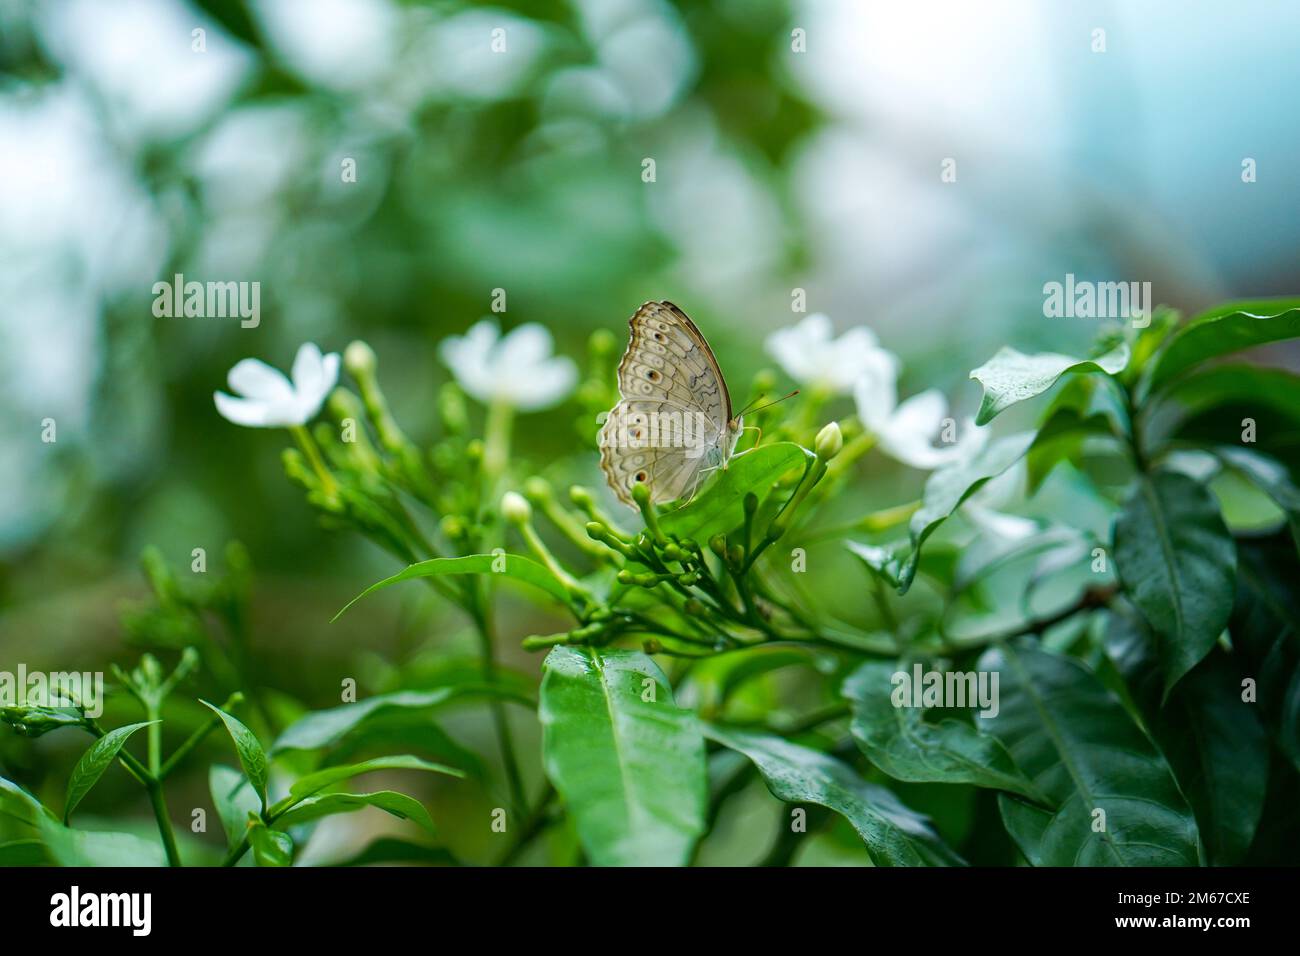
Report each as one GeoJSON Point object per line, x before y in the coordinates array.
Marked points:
{"type": "Point", "coordinates": [126, 156]}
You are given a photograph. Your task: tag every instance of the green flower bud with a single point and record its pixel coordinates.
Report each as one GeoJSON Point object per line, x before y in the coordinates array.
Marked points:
{"type": "Point", "coordinates": [641, 494]}
{"type": "Point", "coordinates": [581, 497]}
{"type": "Point", "coordinates": [736, 556]}
{"type": "Point", "coordinates": [537, 490]}
{"type": "Point", "coordinates": [453, 527]}
{"type": "Point", "coordinates": [515, 508]}
{"type": "Point", "coordinates": [359, 359]}
{"type": "Point", "coordinates": [751, 503]}
{"type": "Point", "coordinates": [829, 442]}
{"type": "Point", "coordinates": [626, 578]}
{"type": "Point", "coordinates": [718, 545]}
{"type": "Point", "coordinates": [34, 721]}
{"type": "Point", "coordinates": [452, 410]}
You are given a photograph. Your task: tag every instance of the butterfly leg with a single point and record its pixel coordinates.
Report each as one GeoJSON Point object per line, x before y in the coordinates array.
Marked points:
{"type": "Point", "coordinates": [754, 428]}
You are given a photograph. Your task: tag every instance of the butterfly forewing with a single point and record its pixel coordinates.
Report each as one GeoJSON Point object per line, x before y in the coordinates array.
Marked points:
{"type": "Point", "coordinates": [673, 420]}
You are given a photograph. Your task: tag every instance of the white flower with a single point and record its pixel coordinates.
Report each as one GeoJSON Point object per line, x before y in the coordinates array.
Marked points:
{"type": "Point", "coordinates": [517, 369]}
{"type": "Point", "coordinates": [810, 355]}
{"type": "Point", "coordinates": [269, 400]}
{"type": "Point", "coordinates": [906, 432]}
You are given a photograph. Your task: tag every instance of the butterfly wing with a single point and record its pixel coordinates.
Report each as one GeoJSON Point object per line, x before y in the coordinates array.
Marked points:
{"type": "Point", "coordinates": [668, 359]}
{"type": "Point", "coordinates": [672, 421]}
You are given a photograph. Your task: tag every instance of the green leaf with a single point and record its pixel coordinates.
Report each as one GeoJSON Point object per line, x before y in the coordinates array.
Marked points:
{"type": "Point", "coordinates": [270, 847]}
{"type": "Point", "coordinates": [1213, 740]}
{"type": "Point", "coordinates": [894, 835]}
{"type": "Point", "coordinates": [513, 566]}
{"type": "Point", "coordinates": [234, 799]}
{"type": "Point", "coordinates": [1273, 388]}
{"type": "Point", "coordinates": [393, 850]}
{"type": "Point", "coordinates": [1178, 564]}
{"type": "Point", "coordinates": [1265, 628]}
{"type": "Point", "coordinates": [627, 760]}
{"type": "Point", "coordinates": [324, 728]}
{"type": "Point", "coordinates": [899, 741]}
{"type": "Point", "coordinates": [948, 487]}
{"type": "Point", "coordinates": [1083, 751]}
{"type": "Point", "coordinates": [69, 847]}
{"type": "Point", "coordinates": [23, 853]}
{"type": "Point", "coordinates": [313, 782]}
{"type": "Point", "coordinates": [94, 762]}
{"type": "Point", "coordinates": [1011, 377]}
{"type": "Point", "coordinates": [880, 561]}
{"type": "Point", "coordinates": [1060, 438]}
{"type": "Point", "coordinates": [1222, 331]}
{"type": "Point", "coordinates": [17, 803]}
{"type": "Point", "coordinates": [251, 755]}
{"type": "Point", "coordinates": [720, 506]}
{"type": "Point", "coordinates": [398, 804]}
{"type": "Point", "coordinates": [1270, 477]}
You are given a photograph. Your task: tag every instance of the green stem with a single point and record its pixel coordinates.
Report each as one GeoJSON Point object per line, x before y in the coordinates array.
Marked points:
{"type": "Point", "coordinates": [196, 738]}
{"type": "Point", "coordinates": [308, 446]}
{"type": "Point", "coordinates": [487, 654]}
{"type": "Point", "coordinates": [496, 441]}
{"type": "Point", "coordinates": [159, 804]}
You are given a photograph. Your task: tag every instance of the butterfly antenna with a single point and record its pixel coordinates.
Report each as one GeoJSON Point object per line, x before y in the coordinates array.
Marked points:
{"type": "Point", "coordinates": [747, 409]}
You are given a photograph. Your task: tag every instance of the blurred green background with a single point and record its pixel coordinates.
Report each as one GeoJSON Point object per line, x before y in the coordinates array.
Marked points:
{"type": "Point", "coordinates": [126, 156]}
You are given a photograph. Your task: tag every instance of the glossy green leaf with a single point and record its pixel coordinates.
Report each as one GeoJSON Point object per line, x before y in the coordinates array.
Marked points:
{"type": "Point", "coordinates": [324, 728]}
{"type": "Point", "coordinates": [23, 853]}
{"type": "Point", "coordinates": [313, 782]}
{"type": "Point", "coordinates": [1213, 740]}
{"type": "Point", "coordinates": [1061, 438]}
{"type": "Point", "coordinates": [69, 847]}
{"type": "Point", "coordinates": [94, 762]}
{"type": "Point", "coordinates": [270, 847]}
{"type": "Point", "coordinates": [233, 798]}
{"type": "Point", "coordinates": [1178, 564]}
{"type": "Point", "coordinates": [1083, 751]}
{"type": "Point", "coordinates": [513, 566]}
{"type": "Point", "coordinates": [1270, 477]}
{"type": "Point", "coordinates": [880, 561]}
{"type": "Point", "coordinates": [1011, 376]}
{"type": "Point", "coordinates": [1237, 384]}
{"type": "Point", "coordinates": [893, 834]}
{"type": "Point", "coordinates": [249, 749]}
{"type": "Point", "coordinates": [948, 487]}
{"type": "Point", "coordinates": [898, 740]}
{"type": "Point", "coordinates": [719, 507]}
{"type": "Point", "coordinates": [628, 762]}
{"type": "Point", "coordinates": [1265, 628]}
{"type": "Point", "coordinates": [1222, 331]}
{"type": "Point", "coordinates": [393, 850]}
{"type": "Point", "coordinates": [328, 804]}
{"type": "Point", "coordinates": [17, 804]}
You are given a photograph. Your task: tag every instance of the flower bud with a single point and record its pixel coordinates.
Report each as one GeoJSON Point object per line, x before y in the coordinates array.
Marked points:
{"type": "Point", "coordinates": [751, 503]}
{"type": "Point", "coordinates": [453, 527]}
{"type": "Point", "coordinates": [452, 410]}
{"type": "Point", "coordinates": [580, 496]}
{"type": "Point", "coordinates": [515, 508]}
{"type": "Point", "coordinates": [602, 343]}
{"type": "Point", "coordinates": [718, 545]}
{"type": "Point", "coordinates": [359, 359]}
{"type": "Point", "coordinates": [829, 442]}
{"type": "Point", "coordinates": [537, 490]}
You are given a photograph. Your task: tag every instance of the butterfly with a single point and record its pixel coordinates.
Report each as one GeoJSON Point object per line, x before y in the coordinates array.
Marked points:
{"type": "Point", "coordinates": [674, 422]}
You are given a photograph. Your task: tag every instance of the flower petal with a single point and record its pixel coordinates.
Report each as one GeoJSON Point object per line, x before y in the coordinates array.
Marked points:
{"type": "Point", "coordinates": [468, 356]}
{"type": "Point", "coordinates": [251, 413]}
{"type": "Point", "coordinates": [523, 348]}
{"type": "Point", "coordinates": [546, 384]}
{"type": "Point", "coordinates": [253, 378]}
